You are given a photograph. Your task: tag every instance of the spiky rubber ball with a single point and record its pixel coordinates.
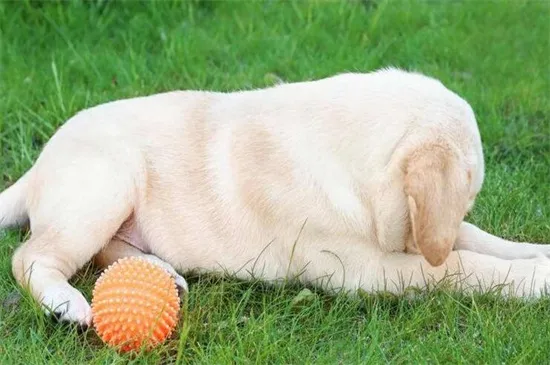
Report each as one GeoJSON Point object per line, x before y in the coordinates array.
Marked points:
{"type": "Point", "coordinates": [135, 305]}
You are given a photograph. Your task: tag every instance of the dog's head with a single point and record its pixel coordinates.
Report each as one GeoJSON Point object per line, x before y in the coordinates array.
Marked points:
{"type": "Point", "coordinates": [441, 183]}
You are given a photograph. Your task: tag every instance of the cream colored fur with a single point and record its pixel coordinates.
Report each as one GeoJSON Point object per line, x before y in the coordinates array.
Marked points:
{"type": "Point", "coordinates": [357, 181]}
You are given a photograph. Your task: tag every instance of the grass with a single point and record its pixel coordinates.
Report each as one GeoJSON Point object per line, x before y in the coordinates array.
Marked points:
{"type": "Point", "coordinates": [59, 57]}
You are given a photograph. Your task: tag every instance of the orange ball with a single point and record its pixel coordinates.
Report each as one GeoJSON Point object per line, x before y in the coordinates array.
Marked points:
{"type": "Point", "coordinates": [135, 303]}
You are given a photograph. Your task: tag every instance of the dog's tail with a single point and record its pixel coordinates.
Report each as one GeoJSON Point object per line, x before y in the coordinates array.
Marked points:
{"type": "Point", "coordinates": [13, 210]}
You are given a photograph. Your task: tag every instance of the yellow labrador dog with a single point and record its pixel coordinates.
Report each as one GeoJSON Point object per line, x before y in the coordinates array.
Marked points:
{"type": "Point", "coordinates": [357, 181]}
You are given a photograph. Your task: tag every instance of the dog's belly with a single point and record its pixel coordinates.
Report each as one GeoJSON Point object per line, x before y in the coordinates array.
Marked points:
{"type": "Point", "coordinates": [192, 232]}
{"type": "Point", "coordinates": [252, 252]}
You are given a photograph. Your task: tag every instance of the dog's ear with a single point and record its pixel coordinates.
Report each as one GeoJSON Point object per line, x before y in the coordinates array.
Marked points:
{"type": "Point", "coordinates": [437, 186]}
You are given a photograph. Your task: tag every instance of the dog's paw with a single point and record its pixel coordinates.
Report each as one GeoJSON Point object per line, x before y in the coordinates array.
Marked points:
{"type": "Point", "coordinates": [537, 251]}
{"type": "Point", "coordinates": [545, 251]}
{"type": "Point", "coordinates": [180, 281]}
{"type": "Point", "coordinates": [67, 304]}
{"type": "Point", "coordinates": [534, 279]}
{"type": "Point", "coordinates": [543, 258]}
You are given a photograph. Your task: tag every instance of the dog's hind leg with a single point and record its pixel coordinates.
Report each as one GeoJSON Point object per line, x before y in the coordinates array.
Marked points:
{"type": "Point", "coordinates": [117, 249]}
{"type": "Point", "coordinates": [74, 212]}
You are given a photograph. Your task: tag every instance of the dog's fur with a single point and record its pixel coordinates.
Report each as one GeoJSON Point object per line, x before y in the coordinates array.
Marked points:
{"type": "Point", "coordinates": [357, 181]}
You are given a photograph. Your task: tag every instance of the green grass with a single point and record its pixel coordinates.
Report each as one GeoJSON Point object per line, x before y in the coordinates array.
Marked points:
{"type": "Point", "coordinates": [57, 58]}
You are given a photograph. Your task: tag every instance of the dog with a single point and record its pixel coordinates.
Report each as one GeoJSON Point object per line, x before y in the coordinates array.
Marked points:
{"type": "Point", "coordinates": [358, 181]}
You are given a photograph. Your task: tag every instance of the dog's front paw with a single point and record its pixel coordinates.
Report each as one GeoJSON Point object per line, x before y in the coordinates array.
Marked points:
{"type": "Point", "coordinates": [544, 252]}
{"type": "Point", "coordinates": [67, 304]}
{"type": "Point", "coordinates": [534, 279]}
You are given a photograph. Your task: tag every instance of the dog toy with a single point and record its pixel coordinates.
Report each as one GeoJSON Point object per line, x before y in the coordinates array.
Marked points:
{"type": "Point", "coordinates": [135, 304]}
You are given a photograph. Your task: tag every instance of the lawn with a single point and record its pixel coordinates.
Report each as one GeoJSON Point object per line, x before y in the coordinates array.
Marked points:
{"type": "Point", "coordinates": [58, 58]}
